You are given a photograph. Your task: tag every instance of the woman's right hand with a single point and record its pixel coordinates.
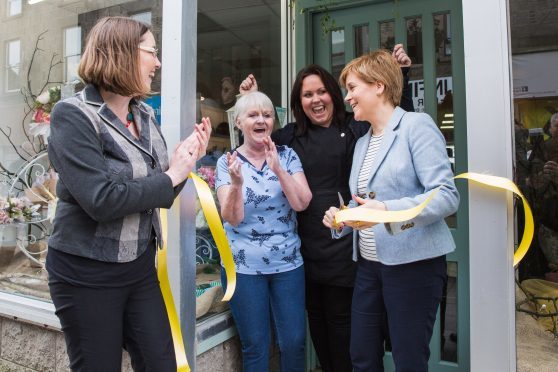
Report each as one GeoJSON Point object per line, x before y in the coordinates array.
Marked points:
{"type": "Point", "coordinates": [248, 85]}
{"type": "Point", "coordinates": [329, 219]}
{"type": "Point", "coordinates": [235, 168]}
{"type": "Point", "coordinates": [183, 161]}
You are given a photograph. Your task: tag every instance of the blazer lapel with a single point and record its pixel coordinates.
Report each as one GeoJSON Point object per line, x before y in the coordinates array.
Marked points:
{"type": "Point", "coordinates": [389, 136]}
{"type": "Point", "coordinates": [145, 126]}
{"type": "Point", "coordinates": [106, 114]}
{"type": "Point", "coordinates": [360, 152]}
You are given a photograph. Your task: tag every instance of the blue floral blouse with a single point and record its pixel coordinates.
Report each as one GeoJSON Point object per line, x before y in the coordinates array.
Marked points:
{"type": "Point", "coordinates": [266, 241]}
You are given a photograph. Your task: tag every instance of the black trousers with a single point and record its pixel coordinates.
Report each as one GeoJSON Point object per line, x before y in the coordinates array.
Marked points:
{"type": "Point", "coordinates": [329, 319]}
{"type": "Point", "coordinates": [405, 296]}
{"type": "Point", "coordinates": [98, 322]}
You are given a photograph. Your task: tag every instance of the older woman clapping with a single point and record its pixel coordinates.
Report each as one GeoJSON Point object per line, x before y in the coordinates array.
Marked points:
{"type": "Point", "coordinates": [260, 187]}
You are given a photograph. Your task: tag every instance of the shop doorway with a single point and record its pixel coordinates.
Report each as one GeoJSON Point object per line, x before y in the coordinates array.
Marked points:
{"type": "Point", "coordinates": [431, 31]}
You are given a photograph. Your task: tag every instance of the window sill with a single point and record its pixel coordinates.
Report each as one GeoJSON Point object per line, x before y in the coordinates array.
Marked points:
{"type": "Point", "coordinates": [210, 332]}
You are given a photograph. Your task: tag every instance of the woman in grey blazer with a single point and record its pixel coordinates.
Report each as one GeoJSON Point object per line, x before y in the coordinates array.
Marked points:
{"type": "Point", "coordinates": [401, 266]}
{"type": "Point", "coordinates": [114, 175]}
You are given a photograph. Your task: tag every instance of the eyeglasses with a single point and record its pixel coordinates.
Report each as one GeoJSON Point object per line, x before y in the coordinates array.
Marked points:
{"type": "Point", "coordinates": [153, 51]}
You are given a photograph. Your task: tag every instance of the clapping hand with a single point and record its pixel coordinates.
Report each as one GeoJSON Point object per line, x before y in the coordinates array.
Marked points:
{"type": "Point", "coordinates": [200, 137]}
{"type": "Point", "coordinates": [235, 168]}
{"type": "Point", "coordinates": [271, 156]}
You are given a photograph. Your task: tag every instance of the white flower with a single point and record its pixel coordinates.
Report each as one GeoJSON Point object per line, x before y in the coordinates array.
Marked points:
{"type": "Point", "coordinates": [44, 97]}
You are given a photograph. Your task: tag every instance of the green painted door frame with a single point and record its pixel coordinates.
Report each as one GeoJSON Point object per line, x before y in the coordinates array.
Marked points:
{"type": "Point", "coordinates": [313, 45]}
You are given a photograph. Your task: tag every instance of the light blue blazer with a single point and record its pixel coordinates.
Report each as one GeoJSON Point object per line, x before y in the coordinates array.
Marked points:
{"type": "Point", "coordinates": [412, 161]}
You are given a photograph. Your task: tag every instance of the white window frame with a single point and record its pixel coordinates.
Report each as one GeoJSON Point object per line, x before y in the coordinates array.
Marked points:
{"type": "Point", "coordinates": [7, 64]}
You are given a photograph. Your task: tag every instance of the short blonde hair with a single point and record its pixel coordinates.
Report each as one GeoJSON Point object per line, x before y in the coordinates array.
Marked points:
{"type": "Point", "coordinates": [111, 56]}
{"type": "Point", "coordinates": [377, 66]}
{"type": "Point", "coordinates": [250, 100]}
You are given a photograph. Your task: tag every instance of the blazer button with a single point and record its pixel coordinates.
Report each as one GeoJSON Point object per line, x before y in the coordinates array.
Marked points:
{"type": "Point", "coordinates": [371, 195]}
{"type": "Point", "coordinates": [149, 211]}
{"type": "Point", "coordinates": [153, 164]}
{"type": "Point", "coordinates": [411, 224]}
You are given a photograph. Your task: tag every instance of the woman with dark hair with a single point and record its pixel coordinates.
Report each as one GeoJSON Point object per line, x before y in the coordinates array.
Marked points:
{"type": "Point", "coordinates": [114, 175]}
{"type": "Point", "coordinates": [324, 136]}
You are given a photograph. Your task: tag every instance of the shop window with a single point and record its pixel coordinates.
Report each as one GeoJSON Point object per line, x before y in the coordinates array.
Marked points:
{"type": "Point", "coordinates": [13, 65]}
{"type": "Point", "coordinates": [72, 52]}
{"type": "Point", "coordinates": [234, 40]}
{"type": "Point", "coordinates": [13, 7]}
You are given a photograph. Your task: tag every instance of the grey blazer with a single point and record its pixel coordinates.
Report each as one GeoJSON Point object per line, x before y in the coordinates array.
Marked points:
{"type": "Point", "coordinates": [110, 184]}
{"type": "Point", "coordinates": [411, 162]}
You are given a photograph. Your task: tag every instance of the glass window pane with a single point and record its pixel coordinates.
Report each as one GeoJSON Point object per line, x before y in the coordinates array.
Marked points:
{"type": "Point", "coordinates": [448, 316]}
{"type": "Point", "coordinates": [414, 50]}
{"type": "Point", "coordinates": [362, 43]}
{"type": "Point", "coordinates": [387, 35]}
{"type": "Point", "coordinates": [13, 59]}
{"type": "Point", "coordinates": [14, 54]}
{"type": "Point", "coordinates": [72, 41]}
{"type": "Point", "coordinates": [444, 88]}
{"type": "Point", "coordinates": [14, 7]}
{"type": "Point", "coordinates": [414, 39]}
{"type": "Point", "coordinates": [71, 68]}
{"type": "Point", "coordinates": [337, 52]}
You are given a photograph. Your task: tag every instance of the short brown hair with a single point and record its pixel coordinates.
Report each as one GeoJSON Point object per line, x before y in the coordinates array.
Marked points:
{"type": "Point", "coordinates": [377, 66]}
{"type": "Point", "coordinates": [111, 56]}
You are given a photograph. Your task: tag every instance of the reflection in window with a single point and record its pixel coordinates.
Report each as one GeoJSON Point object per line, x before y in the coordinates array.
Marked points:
{"type": "Point", "coordinates": [414, 39]}
{"type": "Point", "coordinates": [72, 52]}
{"type": "Point", "coordinates": [362, 43]}
{"type": "Point", "coordinates": [13, 61]}
{"type": "Point", "coordinates": [144, 17]}
{"type": "Point", "coordinates": [234, 40]}
{"type": "Point", "coordinates": [13, 7]}
{"type": "Point", "coordinates": [337, 52]}
{"type": "Point", "coordinates": [387, 35]}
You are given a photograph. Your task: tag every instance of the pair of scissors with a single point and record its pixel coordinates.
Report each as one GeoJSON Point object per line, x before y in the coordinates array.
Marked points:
{"type": "Point", "coordinates": [342, 206]}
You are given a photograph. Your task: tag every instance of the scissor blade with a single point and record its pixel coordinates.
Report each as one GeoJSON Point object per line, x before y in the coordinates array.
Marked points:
{"type": "Point", "coordinates": [341, 201]}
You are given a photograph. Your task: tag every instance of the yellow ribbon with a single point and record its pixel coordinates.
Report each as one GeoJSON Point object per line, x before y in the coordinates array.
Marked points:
{"type": "Point", "coordinates": [162, 274]}
{"type": "Point", "coordinates": [216, 228]}
{"type": "Point", "coordinates": [378, 216]}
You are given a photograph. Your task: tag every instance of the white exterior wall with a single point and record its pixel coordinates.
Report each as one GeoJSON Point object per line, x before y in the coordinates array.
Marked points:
{"type": "Point", "coordinates": [490, 150]}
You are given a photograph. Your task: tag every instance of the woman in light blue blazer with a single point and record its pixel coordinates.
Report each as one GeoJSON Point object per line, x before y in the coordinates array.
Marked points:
{"type": "Point", "coordinates": [401, 266]}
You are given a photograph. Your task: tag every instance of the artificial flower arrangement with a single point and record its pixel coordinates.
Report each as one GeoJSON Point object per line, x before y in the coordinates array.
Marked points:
{"type": "Point", "coordinates": [43, 105]}
{"type": "Point", "coordinates": [206, 173]}
{"type": "Point", "coordinates": [20, 209]}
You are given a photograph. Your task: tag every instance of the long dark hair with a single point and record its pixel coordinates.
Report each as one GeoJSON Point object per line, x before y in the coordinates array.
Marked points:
{"type": "Point", "coordinates": [330, 84]}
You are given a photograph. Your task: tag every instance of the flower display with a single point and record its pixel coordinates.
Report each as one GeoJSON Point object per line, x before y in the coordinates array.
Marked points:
{"type": "Point", "coordinates": [17, 210]}
{"type": "Point", "coordinates": [41, 111]}
{"type": "Point", "coordinates": [208, 175]}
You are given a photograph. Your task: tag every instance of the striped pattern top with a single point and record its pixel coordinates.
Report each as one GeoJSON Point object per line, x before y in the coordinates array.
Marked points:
{"type": "Point", "coordinates": [366, 241]}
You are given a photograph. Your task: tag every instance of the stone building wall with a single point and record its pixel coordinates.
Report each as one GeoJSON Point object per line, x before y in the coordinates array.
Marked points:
{"type": "Point", "coordinates": [29, 348]}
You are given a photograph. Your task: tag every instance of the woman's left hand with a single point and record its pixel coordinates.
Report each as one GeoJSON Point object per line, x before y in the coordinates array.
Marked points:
{"type": "Point", "coordinates": [271, 156]}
